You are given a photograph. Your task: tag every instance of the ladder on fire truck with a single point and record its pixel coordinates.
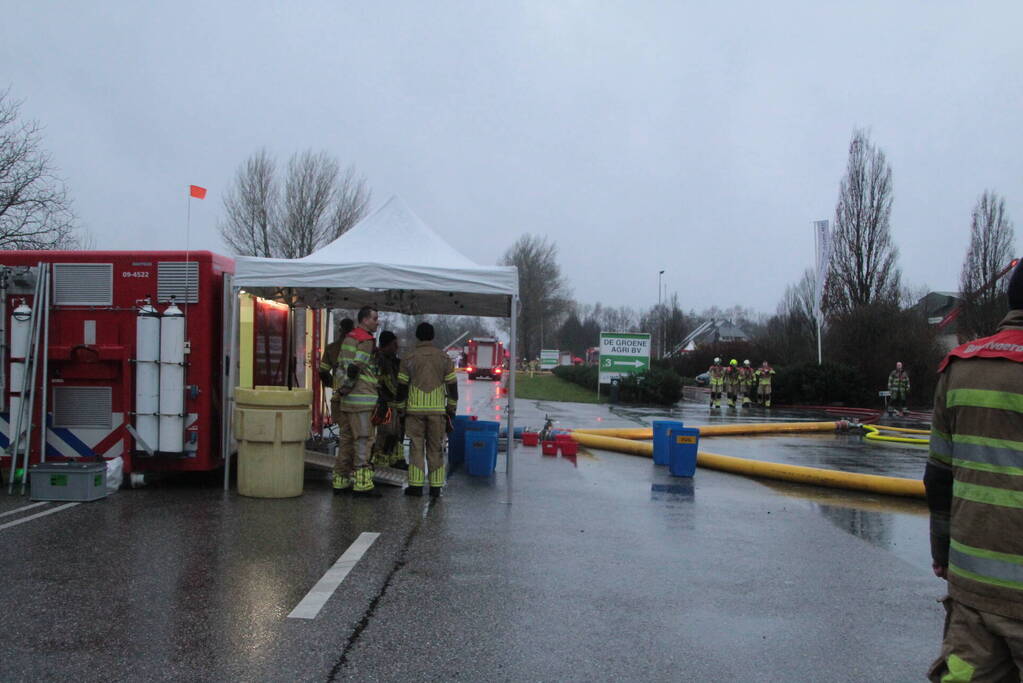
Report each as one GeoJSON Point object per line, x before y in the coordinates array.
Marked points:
{"type": "Point", "coordinates": [20, 425]}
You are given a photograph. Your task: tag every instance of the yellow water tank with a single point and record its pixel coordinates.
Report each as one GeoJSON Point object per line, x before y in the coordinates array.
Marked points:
{"type": "Point", "coordinates": [271, 425]}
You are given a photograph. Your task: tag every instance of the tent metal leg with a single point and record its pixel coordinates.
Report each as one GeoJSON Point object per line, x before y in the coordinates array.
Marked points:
{"type": "Point", "coordinates": [231, 381]}
{"type": "Point", "coordinates": [511, 391]}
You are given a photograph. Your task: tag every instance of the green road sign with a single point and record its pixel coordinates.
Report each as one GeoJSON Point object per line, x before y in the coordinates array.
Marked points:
{"type": "Point", "coordinates": [548, 359]}
{"type": "Point", "coordinates": [623, 353]}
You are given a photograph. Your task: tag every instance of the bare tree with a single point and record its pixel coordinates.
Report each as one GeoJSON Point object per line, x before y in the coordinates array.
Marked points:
{"type": "Point", "coordinates": [863, 269]}
{"type": "Point", "coordinates": [251, 208]}
{"type": "Point", "coordinates": [798, 301]}
{"type": "Point", "coordinates": [621, 319]}
{"type": "Point", "coordinates": [351, 202]}
{"type": "Point", "coordinates": [308, 196]}
{"type": "Point", "coordinates": [35, 207]}
{"type": "Point", "coordinates": [989, 253]}
{"type": "Point", "coordinates": [543, 292]}
{"type": "Point", "coordinates": [316, 204]}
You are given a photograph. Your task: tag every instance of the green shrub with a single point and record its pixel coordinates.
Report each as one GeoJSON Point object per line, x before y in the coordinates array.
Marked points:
{"type": "Point", "coordinates": [584, 375]}
{"type": "Point", "coordinates": [827, 384]}
{"type": "Point", "coordinates": [660, 386]}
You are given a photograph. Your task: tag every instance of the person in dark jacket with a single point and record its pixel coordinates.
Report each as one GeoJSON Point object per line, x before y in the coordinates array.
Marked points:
{"type": "Point", "coordinates": [387, 447]}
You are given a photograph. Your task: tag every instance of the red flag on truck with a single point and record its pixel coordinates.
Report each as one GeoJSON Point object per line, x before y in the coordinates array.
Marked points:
{"type": "Point", "coordinates": [197, 192]}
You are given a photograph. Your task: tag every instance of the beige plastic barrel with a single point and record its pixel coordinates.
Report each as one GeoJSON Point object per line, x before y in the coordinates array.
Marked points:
{"type": "Point", "coordinates": [271, 425]}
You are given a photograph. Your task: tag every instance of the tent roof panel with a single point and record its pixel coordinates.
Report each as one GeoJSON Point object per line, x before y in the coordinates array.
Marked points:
{"type": "Point", "coordinates": [390, 259]}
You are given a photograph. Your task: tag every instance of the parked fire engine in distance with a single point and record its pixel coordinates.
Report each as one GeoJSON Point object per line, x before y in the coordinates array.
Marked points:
{"type": "Point", "coordinates": [484, 358]}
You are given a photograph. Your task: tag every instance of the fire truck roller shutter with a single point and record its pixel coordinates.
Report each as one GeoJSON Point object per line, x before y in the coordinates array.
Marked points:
{"type": "Point", "coordinates": [147, 376]}
{"type": "Point", "coordinates": [172, 381]}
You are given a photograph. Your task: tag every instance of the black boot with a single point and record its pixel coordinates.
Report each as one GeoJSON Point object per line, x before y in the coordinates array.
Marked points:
{"type": "Point", "coordinates": [435, 491]}
{"type": "Point", "coordinates": [369, 493]}
{"type": "Point", "coordinates": [414, 491]}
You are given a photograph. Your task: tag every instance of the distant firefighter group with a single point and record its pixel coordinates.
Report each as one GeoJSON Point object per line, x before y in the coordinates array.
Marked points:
{"type": "Point", "coordinates": [743, 384]}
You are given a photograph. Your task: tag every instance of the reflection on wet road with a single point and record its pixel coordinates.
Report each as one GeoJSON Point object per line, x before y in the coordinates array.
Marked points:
{"type": "Point", "coordinates": [894, 524]}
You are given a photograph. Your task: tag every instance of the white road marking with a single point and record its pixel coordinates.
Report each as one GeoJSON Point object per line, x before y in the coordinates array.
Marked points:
{"type": "Point", "coordinates": [316, 598]}
{"type": "Point", "coordinates": [37, 515]}
{"type": "Point", "coordinates": [21, 509]}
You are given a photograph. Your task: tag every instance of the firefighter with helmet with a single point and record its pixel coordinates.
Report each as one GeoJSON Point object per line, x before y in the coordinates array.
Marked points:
{"type": "Point", "coordinates": [764, 373]}
{"type": "Point", "coordinates": [747, 382]}
{"type": "Point", "coordinates": [732, 381]}
{"type": "Point", "coordinates": [716, 375]}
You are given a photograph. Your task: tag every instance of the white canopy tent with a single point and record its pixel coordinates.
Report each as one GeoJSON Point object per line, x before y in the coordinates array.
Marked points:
{"type": "Point", "coordinates": [393, 261]}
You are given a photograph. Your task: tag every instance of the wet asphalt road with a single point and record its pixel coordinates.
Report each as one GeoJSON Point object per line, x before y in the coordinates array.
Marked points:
{"type": "Point", "coordinates": [603, 568]}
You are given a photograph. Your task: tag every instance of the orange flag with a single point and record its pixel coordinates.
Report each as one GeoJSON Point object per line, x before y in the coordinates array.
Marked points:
{"type": "Point", "coordinates": [197, 192]}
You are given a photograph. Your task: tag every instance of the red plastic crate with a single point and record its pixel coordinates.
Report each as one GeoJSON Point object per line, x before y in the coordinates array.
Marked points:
{"type": "Point", "coordinates": [549, 447]}
{"type": "Point", "coordinates": [568, 447]}
{"type": "Point", "coordinates": [530, 438]}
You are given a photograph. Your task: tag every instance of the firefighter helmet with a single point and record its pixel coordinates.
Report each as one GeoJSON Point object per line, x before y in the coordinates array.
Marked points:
{"type": "Point", "coordinates": [733, 362]}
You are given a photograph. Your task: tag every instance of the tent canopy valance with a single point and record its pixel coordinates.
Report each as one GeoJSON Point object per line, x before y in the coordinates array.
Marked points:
{"type": "Point", "coordinates": [390, 260]}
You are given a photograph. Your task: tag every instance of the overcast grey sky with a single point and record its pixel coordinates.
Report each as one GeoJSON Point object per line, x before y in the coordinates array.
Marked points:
{"type": "Point", "coordinates": [701, 138]}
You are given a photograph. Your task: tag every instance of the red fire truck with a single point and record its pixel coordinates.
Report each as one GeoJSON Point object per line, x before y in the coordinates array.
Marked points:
{"type": "Point", "coordinates": [126, 360]}
{"type": "Point", "coordinates": [484, 358]}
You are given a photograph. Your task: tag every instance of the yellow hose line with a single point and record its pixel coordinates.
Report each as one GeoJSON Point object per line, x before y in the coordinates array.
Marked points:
{"type": "Point", "coordinates": [874, 434]}
{"type": "Point", "coordinates": [724, 430]}
{"type": "Point", "coordinates": [620, 433]}
{"type": "Point", "coordinates": [872, 483]}
{"type": "Point", "coordinates": [903, 430]}
{"type": "Point", "coordinates": [772, 428]}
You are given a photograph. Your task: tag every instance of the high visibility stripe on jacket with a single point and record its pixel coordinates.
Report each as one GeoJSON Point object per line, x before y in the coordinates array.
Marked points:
{"type": "Point", "coordinates": [764, 376]}
{"type": "Point", "coordinates": [429, 378]}
{"type": "Point", "coordinates": [358, 349]}
{"type": "Point", "coordinates": [898, 381]}
{"type": "Point", "coordinates": [974, 476]}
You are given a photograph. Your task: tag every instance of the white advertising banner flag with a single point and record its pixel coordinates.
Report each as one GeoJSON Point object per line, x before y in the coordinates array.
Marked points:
{"type": "Point", "coordinates": [822, 238]}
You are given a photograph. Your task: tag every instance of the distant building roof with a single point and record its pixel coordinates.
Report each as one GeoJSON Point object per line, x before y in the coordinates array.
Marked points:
{"type": "Point", "coordinates": [710, 332]}
{"type": "Point", "coordinates": [937, 305]}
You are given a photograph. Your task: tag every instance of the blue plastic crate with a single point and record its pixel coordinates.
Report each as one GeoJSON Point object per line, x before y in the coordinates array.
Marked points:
{"type": "Point", "coordinates": [480, 452]}
{"type": "Point", "coordinates": [483, 426]}
{"type": "Point", "coordinates": [661, 449]}
{"type": "Point", "coordinates": [684, 444]}
{"type": "Point", "coordinates": [456, 441]}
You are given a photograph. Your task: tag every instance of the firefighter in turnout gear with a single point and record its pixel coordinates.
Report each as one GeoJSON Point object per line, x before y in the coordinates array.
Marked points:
{"type": "Point", "coordinates": [974, 489]}
{"type": "Point", "coordinates": [356, 397]}
{"type": "Point", "coordinates": [428, 391]}
{"type": "Point", "coordinates": [764, 373]}
{"type": "Point", "coordinates": [331, 377]}
{"type": "Point", "coordinates": [716, 375]}
{"type": "Point", "coordinates": [331, 355]}
{"type": "Point", "coordinates": [732, 381]}
{"type": "Point", "coordinates": [387, 446]}
{"type": "Point", "coordinates": [898, 385]}
{"type": "Point", "coordinates": [747, 382]}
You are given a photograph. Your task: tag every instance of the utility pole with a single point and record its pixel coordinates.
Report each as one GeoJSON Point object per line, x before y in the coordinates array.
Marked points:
{"type": "Point", "coordinates": [660, 318]}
